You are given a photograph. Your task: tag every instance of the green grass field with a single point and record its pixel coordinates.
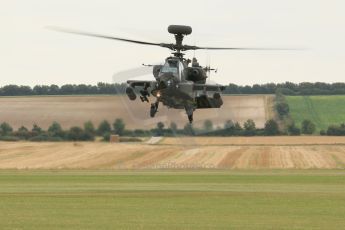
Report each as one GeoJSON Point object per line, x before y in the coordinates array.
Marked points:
{"type": "Point", "coordinates": [322, 110]}
{"type": "Point", "coordinates": [306, 199]}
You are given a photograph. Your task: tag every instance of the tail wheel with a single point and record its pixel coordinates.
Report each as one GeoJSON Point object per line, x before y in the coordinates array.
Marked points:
{"type": "Point", "coordinates": [190, 118]}
{"type": "Point", "coordinates": [189, 111]}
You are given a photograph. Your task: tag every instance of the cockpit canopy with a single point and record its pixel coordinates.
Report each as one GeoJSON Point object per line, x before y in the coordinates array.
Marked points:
{"type": "Point", "coordinates": [170, 66]}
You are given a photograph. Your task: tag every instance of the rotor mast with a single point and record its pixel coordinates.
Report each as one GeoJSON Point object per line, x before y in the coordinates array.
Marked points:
{"type": "Point", "coordinates": [179, 32]}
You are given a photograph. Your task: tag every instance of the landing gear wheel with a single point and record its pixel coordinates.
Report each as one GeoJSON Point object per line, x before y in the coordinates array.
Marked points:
{"type": "Point", "coordinates": [153, 109]}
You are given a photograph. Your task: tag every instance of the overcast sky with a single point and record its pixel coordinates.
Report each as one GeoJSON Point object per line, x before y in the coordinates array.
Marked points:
{"type": "Point", "coordinates": [30, 54]}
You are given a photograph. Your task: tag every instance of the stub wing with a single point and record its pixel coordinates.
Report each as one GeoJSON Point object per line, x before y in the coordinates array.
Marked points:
{"type": "Point", "coordinates": [208, 87]}
{"type": "Point", "coordinates": [140, 83]}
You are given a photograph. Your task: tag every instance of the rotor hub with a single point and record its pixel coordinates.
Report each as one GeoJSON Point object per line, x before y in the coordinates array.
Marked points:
{"type": "Point", "coordinates": [179, 32]}
{"type": "Point", "coordinates": [179, 29]}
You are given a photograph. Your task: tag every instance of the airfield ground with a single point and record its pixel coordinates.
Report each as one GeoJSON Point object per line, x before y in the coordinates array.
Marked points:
{"type": "Point", "coordinates": [232, 199]}
{"type": "Point", "coordinates": [208, 183]}
{"type": "Point", "coordinates": [176, 183]}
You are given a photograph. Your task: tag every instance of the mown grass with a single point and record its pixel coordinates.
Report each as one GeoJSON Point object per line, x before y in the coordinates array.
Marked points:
{"type": "Point", "coordinates": [322, 110]}
{"type": "Point", "coordinates": [306, 199]}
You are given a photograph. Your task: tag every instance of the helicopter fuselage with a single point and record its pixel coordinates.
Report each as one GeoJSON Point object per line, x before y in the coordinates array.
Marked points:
{"type": "Point", "coordinates": [175, 83]}
{"type": "Point", "coordinates": [180, 86]}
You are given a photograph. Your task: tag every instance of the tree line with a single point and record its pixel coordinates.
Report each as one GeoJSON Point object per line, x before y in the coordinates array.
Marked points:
{"type": "Point", "coordinates": [287, 88]}
{"type": "Point", "coordinates": [105, 129]}
{"type": "Point", "coordinates": [68, 89]}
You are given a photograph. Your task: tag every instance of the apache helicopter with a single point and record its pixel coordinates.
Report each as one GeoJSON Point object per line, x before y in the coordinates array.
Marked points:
{"type": "Point", "coordinates": [180, 83]}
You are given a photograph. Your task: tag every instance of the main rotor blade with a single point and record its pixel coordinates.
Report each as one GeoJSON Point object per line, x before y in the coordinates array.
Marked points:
{"type": "Point", "coordinates": [101, 36]}
{"type": "Point", "coordinates": [234, 48]}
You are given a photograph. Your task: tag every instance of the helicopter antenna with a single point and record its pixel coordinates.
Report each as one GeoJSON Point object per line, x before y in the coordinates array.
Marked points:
{"type": "Point", "coordinates": [208, 67]}
{"type": "Point", "coordinates": [208, 64]}
{"type": "Point", "coordinates": [194, 50]}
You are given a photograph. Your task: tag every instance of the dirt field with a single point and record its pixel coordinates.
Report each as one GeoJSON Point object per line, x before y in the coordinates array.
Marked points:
{"type": "Point", "coordinates": [230, 153]}
{"type": "Point", "coordinates": [75, 110]}
{"type": "Point", "coordinates": [270, 141]}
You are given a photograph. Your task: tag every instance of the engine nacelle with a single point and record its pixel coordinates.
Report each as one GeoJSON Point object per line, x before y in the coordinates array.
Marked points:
{"type": "Point", "coordinates": [130, 93]}
{"type": "Point", "coordinates": [203, 101]}
{"type": "Point", "coordinates": [218, 101]}
{"type": "Point", "coordinates": [195, 74]}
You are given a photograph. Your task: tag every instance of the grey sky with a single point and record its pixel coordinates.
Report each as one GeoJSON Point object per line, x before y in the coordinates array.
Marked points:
{"type": "Point", "coordinates": [31, 54]}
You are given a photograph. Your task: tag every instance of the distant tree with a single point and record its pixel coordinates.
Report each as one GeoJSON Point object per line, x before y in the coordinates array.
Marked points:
{"type": "Point", "coordinates": [55, 130]}
{"type": "Point", "coordinates": [67, 89]}
{"type": "Point", "coordinates": [89, 127]}
{"type": "Point", "coordinates": [173, 127]}
{"type": "Point", "coordinates": [293, 130]}
{"type": "Point", "coordinates": [188, 129]}
{"type": "Point", "coordinates": [11, 90]}
{"type": "Point", "coordinates": [160, 125]}
{"type": "Point", "coordinates": [160, 128]}
{"type": "Point", "coordinates": [106, 137]}
{"type": "Point", "coordinates": [286, 91]}
{"type": "Point", "coordinates": [283, 109]}
{"type": "Point", "coordinates": [41, 90]}
{"type": "Point", "coordinates": [229, 124]}
{"type": "Point", "coordinates": [78, 134]}
{"type": "Point", "coordinates": [232, 89]}
{"type": "Point", "coordinates": [83, 89]}
{"type": "Point", "coordinates": [140, 133]}
{"type": "Point", "coordinates": [36, 129]}
{"type": "Point", "coordinates": [271, 128]}
{"type": "Point", "coordinates": [22, 133]}
{"type": "Point", "coordinates": [54, 90]}
{"type": "Point", "coordinates": [23, 129]}
{"type": "Point", "coordinates": [5, 128]}
{"type": "Point", "coordinates": [249, 125]}
{"type": "Point", "coordinates": [103, 128]}
{"type": "Point", "coordinates": [229, 129]}
{"type": "Point", "coordinates": [335, 130]}
{"type": "Point", "coordinates": [308, 127]}
{"type": "Point", "coordinates": [106, 88]}
{"type": "Point", "coordinates": [238, 126]}
{"type": "Point", "coordinates": [208, 125]}
{"type": "Point", "coordinates": [119, 127]}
